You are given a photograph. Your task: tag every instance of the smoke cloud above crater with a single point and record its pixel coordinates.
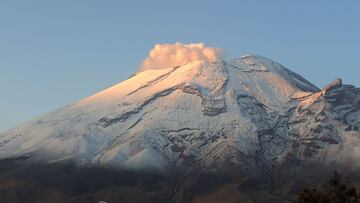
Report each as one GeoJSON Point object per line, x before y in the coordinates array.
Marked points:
{"type": "Point", "coordinates": [170, 55]}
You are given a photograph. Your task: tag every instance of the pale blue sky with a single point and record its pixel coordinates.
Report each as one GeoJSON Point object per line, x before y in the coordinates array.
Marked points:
{"type": "Point", "coordinates": [56, 52]}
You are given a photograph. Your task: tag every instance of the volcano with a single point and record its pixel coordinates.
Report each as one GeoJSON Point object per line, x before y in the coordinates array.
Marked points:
{"type": "Point", "coordinates": [202, 131]}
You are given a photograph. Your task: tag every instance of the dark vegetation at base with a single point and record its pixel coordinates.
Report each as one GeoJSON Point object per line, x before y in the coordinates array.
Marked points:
{"type": "Point", "coordinates": [65, 183]}
{"type": "Point", "coordinates": [337, 190]}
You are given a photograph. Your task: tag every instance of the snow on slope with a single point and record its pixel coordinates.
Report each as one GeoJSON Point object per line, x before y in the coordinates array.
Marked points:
{"type": "Point", "coordinates": [197, 115]}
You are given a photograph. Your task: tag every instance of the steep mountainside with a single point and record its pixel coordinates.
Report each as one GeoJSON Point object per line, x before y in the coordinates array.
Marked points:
{"type": "Point", "coordinates": [246, 118]}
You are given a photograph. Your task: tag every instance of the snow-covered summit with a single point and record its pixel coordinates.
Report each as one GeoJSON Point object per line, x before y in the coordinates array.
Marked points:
{"type": "Point", "coordinates": [250, 74]}
{"type": "Point", "coordinates": [202, 114]}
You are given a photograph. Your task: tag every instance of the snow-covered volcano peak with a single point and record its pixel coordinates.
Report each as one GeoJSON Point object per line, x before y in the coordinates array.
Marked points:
{"type": "Point", "coordinates": [247, 120]}
{"type": "Point", "coordinates": [144, 117]}
{"type": "Point", "coordinates": [251, 74]}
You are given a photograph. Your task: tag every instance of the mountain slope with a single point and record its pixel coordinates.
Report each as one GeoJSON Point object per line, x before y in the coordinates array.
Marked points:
{"type": "Point", "coordinates": [248, 118]}
{"type": "Point", "coordinates": [125, 124]}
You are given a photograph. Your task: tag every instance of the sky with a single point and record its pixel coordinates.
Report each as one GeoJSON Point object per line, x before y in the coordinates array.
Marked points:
{"type": "Point", "coordinates": [56, 52]}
